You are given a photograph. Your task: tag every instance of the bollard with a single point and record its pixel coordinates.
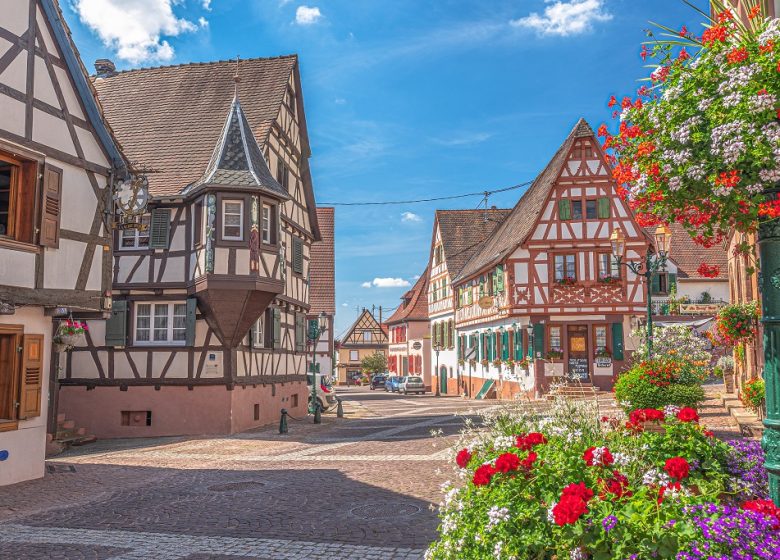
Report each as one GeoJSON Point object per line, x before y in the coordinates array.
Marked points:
{"type": "Point", "coordinates": [283, 422]}
{"type": "Point", "coordinates": [340, 409]}
{"type": "Point", "coordinates": [317, 413]}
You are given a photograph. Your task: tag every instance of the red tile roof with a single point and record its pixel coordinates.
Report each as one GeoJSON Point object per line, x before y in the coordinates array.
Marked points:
{"type": "Point", "coordinates": [322, 289]}
{"type": "Point", "coordinates": [689, 256]}
{"type": "Point", "coordinates": [414, 306]}
{"type": "Point", "coordinates": [464, 231]}
{"type": "Point", "coordinates": [169, 118]}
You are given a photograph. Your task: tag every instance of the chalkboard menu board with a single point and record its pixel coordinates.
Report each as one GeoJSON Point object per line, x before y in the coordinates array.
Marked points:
{"type": "Point", "coordinates": [578, 368]}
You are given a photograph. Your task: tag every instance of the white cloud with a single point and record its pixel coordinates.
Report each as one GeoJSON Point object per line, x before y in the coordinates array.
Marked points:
{"type": "Point", "coordinates": [206, 5]}
{"type": "Point", "coordinates": [464, 139]}
{"type": "Point", "coordinates": [387, 283]}
{"type": "Point", "coordinates": [134, 28]}
{"type": "Point", "coordinates": [203, 22]}
{"type": "Point", "coordinates": [565, 18]}
{"type": "Point", "coordinates": [344, 305]}
{"type": "Point", "coordinates": [305, 15]}
{"type": "Point", "coordinates": [340, 101]}
{"type": "Point", "coordinates": [410, 217]}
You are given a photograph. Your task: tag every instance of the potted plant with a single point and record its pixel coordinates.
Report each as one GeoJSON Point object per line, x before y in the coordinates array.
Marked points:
{"type": "Point", "coordinates": [555, 354]}
{"type": "Point", "coordinates": [567, 281]}
{"type": "Point", "coordinates": [603, 353]}
{"type": "Point", "coordinates": [485, 363]}
{"type": "Point", "coordinates": [524, 363]}
{"type": "Point", "coordinates": [736, 323]}
{"type": "Point", "coordinates": [69, 334]}
{"type": "Point", "coordinates": [753, 396]}
{"type": "Point", "coordinates": [497, 363]}
{"type": "Point", "coordinates": [608, 279]}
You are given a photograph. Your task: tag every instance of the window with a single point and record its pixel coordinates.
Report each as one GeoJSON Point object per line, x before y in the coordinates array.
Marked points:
{"type": "Point", "coordinates": [283, 175]}
{"type": "Point", "coordinates": [160, 323]}
{"type": "Point", "coordinates": [268, 224]}
{"type": "Point", "coordinates": [18, 180]}
{"type": "Point", "coordinates": [367, 336]}
{"type": "Point", "coordinates": [608, 268]}
{"type": "Point", "coordinates": [289, 100]}
{"type": "Point", "coordinates": [601, 338]}
{"type": "Point", "coordinates": [576, 209]}
{"type": "Point", "coordinates": [353, 356]}
{"type": "Point", "coordinates": [565, 268]}
{"type": "Point", "coordinates": [233, 220]}
{"type": "Point", "coordinates": [297, 255]}
{"type": "Point", "coordinates": [257, 335]}
{"type": "Point", "coordinates": [21, 375]}
{"type": "Point", "coordinates": [591, 209]}
{"type": "Point", "coordinates": [136, 238]}
{"type": "Point", "coordinates": [555, 338]}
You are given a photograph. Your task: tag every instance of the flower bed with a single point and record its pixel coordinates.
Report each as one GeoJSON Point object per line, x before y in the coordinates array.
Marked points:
{"type": "Point", "coordinates": [660, 382]}
{"type": "Point", "coordinates": [572, 486]}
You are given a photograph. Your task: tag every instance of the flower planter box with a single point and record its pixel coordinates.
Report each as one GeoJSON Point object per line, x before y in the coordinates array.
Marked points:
{"type": "Point", "coordinates": [554, 369]}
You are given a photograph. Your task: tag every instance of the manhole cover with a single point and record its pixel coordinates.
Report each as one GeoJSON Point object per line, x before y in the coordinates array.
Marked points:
{"type": "Point", "coordinates": [236, 486]}
{"type": "Point", "coordinates": [384, 511]}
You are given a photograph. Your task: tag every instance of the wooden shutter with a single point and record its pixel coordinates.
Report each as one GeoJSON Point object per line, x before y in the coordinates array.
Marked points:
{"type": "Point", "coordinates": [499, 278]}
{"type": "Point", "coordinates": [518, 345]}
{"type": "Point", "coordinates": [505, 346]}
{"type": "Point", "coordinates": [564, 209]}
{"type": "Point", "coordinates": [32, 376]}
{"type": "Point", "coordinates": [160, 228]}
{"type": "Point", "coordinates": [604, 211]}
{"type": "Point", "coordinates": [617, 341]}
{"type": "Point", "coordinates": [297, 255]}
{"type": "Point", "coordinates": [539, 339]}
{"type": "Point", "coordinates": [51, 206]}
{"type": "Point", "coordinates": [655, 284]}
{"type": "Point", "coordinates": [116, 325]}
{"type": "Point", "coordinates": [277, 315]}
{"type": "Point", "coordinates": [192, 310]}
{"type": "Point", "coordinates": [672, 282]}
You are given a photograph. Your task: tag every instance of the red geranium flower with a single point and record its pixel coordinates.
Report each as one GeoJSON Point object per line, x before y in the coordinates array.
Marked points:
{"type": "Point", "coordinates": [688, 414]}
{"type": "Point", "coordinates": [678, 468]}
{"type": "Point", "coordinates": [568, 510]}
{"type": "Point", "coordinates": [604, 459]}
{"type": "Point", "coordinates": [645, 415]}
{"type": "Point", "coordinates": [483, 475]}
{"type": "Point", "coordinates": [528, 441]}
{"type": "Point", "coordinates": [507, 462]}
{"type": "Point", "coordinates": [578, 490]}
{"type": "Point", "coordinates": [617, 486]}
{"type": "Point", "coordinates": [462, 458]}
{"type": "Point", "coordinates": [765, 507]}
{"type": "Point", "coordinates": [529, 461]}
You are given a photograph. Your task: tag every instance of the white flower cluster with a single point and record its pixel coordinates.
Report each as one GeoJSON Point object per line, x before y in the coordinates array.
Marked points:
{"type": "Point", "coordinates": [671, 410]}
{"type": "Point", "coordinates": [654, 476]}
{"type": "Point", "coordinates": [762, 102]}
{"type": "Point", "coordinates": [672, 92]}
{"type": "Point", "coordinates": [598, 455]}
{"type": "Point", "coordinates": [675, 184]}
{"type": "Point", "coordinates": [448, 524]}
{"type": "Point", "coordinates": [696, 172]}
{"type": "Point", "coordinates": [732, 99]}
{"type": "Point", "coordinates": [705, 103]}
{"type": "Point", "coordinates": [623, 459]}
{"type": "Point", "coordinates": [738, 77]}
{"type": "Point", "coordinates": [727, 141]}
{"type": "Point", "coordinates": [578, 554]}
{"type": "Point", "coordinates": [677, 157]}
{"type": "Point", "coordinates": [755, 188]}
{"type": "Point", "coordinates": [675, 494]}
{"type": "Point", "coordinates": [770, 175]}
{"type": "Point", "coordinates": [683, 133]}
{"type": "Point", "coordinates": [771, 132]}
{"type": "Point", "coordinates": [497, 548]}
{"type": "Point", "coordinates": [502, 442]}
{"type": "Point", "coordinates": [771, 33]}
{"type": "Point", "coordinates": [550, 516]}
{"type": "Point", "coordinates": [496, 515]}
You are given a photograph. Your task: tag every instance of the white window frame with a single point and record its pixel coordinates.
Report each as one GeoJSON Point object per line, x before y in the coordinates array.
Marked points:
{"type": "Point", "coordinates": [136, 235]}
{"type": "Point", "coordinates": [356, 355]}
{"type": "Point", "coordinates": [367, 336]}
{"type": "Point", "coordinates": [169, 341]}
{"type": "Point", "coordinates": [240, 236]}
{"type": "Point", "coordinates": [266, 223]}
{"type": "Point", "coordinates": [259, 341]}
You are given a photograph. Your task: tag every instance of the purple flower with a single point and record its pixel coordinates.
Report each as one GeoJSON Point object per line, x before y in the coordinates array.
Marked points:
{"type": "Point", "coordinates": [609, 523]}
{"type": "Point", "coordinates": [746, 464]}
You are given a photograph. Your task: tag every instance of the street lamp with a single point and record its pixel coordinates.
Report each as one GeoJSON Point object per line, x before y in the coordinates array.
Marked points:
{"type": "Point", "coordinates": [529, 329]}
{"type": "Point", "coordinates": [655, 260]}
{"type": "Point", "coordinates": [315, 331]}
{"type": "Point", "coordinates": [437, 347]}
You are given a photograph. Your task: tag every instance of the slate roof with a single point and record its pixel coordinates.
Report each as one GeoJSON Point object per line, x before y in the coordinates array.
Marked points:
{"type": "Point", "coordinates": [237, 160]}
{"type": "Point", "coordinates": [518, 225]}
{"type": "Point", "coordinates": [415, 303]}
{"type": "Point", "coordinates": [322, 287]}
{"type": "Point", "coordinates": [169, 118]}
{"type": "Point", "coordinates": [464, 231]}
{"type": "Point", "coordinates": [688, 255]}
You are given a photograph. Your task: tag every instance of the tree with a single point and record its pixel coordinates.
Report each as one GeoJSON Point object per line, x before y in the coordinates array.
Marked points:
{"type": "Point", "coordinates": [376, 363]}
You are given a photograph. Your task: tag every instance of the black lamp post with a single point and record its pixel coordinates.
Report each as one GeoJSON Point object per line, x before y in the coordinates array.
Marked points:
{"type": "Point", "coordinates": [437, 347]}
{"type": "Point", "coordinates": [652, 263]}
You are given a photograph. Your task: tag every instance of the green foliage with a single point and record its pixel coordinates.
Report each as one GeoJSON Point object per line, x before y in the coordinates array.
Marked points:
{"type": "Point", "coordinates": [375, 363]}
{"type": "Point", "coordinates": [657, 383]}
{"type": "Point", "coordinates": [753, 394]}
{"type": "Point", "coordinates": [677, 341]}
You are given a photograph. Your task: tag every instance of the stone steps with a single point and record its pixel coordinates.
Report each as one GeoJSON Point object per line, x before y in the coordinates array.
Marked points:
{"type": "Point", "coordinates": [749, 424]}
{"type": "Point", "coordinates": [67, 435]}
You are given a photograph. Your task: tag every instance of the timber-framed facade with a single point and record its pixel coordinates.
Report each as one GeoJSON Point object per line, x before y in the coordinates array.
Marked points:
{"type": "Point", "coordinates": [58, 161]}
{"type": "Point", "coordinates": [208, 329]}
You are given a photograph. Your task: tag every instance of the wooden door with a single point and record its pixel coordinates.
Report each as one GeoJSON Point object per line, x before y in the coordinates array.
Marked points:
{"type": "Point", "coordinates": [8, 376]}
{"type": "Point", "coordinates": [578, 361]}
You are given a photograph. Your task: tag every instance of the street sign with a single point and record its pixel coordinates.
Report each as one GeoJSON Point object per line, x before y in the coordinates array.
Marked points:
{"type": "Point", "coordinates": [471, 353]}
{"type": "Point", "coordinates": [485, 302]}
{"type": "Point", "coordinates": [417, 345]}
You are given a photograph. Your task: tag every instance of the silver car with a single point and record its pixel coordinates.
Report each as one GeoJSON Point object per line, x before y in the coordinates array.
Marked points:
{"type": "Point", "coordinates": [411, 384]}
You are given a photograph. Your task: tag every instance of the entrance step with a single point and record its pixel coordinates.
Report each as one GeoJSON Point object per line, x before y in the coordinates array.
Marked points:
{"type": "Point", "coordinates": [67, 435]}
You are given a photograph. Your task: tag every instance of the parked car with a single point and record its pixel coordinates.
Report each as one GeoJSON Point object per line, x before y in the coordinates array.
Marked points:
{"type": "Point", "coordinates": [326, 392]}
{"type": "Point", "coordinates": [411, 384]}
{"type": "Point", "coordinates": [391, 383]}
{"type": "Point", "coordinates": [378, 381]}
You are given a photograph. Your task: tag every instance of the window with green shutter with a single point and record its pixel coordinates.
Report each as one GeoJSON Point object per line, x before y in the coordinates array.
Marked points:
{"type": "Point", "coordinates": [277, 327]}
{"type": "Point", "coordinates": [297, 255]}
{"type": "Point", "coordinates": [564, 209]}
{"type": "Point", "coordinates": [672, 282]}
{"type": "Point", "coordinates": [160, 228]}
{"type": "Point", "coordinates": [300, 332]}
{"type": "Point", "coordinates": [481, 354]}
{"type": "Point", "coordinates": [604, 210]}
{"type": "Point", "coordinates": [617, 341]}
{"type": "Point", "coordinates": [499, 278]}
{"type": "Point", "coordinates": [518, 345]}
{"type": "Point", "coordinates": [116, 324]}
{"type": "Point", "coordinates": [192, 312]}
{"type": "Point", "coordinates": [505, 345]}
{"type": "Point", "coordinates": [539, 340]}
{"type": "Point", "coordinates": [655, 284]}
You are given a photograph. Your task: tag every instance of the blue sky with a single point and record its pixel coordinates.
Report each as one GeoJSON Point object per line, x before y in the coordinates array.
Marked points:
{"type": "Point", "coordinates": [405, 99]}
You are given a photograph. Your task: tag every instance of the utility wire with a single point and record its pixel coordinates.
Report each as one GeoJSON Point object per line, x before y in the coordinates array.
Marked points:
{"type": "Point", "coordinates": [435, 199]}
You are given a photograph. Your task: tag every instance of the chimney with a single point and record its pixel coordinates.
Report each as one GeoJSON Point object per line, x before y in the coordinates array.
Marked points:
{"type": "Point", "coordinates": [104, 68]}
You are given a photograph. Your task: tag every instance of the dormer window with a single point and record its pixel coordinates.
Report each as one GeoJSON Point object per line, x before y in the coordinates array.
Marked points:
{"type": "Point", "coordinates": [233, 220]}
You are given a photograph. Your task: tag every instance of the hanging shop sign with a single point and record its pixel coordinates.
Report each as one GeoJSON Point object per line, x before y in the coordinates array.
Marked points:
{"type": "Point", "coordinates": [132, 195]}
{"type": "Point", "coordinates": [485, 302]}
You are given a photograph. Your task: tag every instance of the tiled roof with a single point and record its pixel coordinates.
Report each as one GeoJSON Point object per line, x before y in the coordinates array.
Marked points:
{"type": "Point", "coordinates": [688, 255]}
{"type": "Point", "coordinates": [516, 227]}
{"type": "Point", "coordinates": [464, 231]}
{"type": "Point", "coordinates": [415, 306]}
{"type": "Point", "coordinates": [322, 289]}
{"type": "Point", "coordinates": [170, 118]}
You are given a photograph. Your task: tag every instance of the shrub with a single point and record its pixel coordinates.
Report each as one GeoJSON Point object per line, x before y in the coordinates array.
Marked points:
{"type": "Point", "coordinates": [657, 383]}
{"type": "Point", "coordinates": [753, 394]}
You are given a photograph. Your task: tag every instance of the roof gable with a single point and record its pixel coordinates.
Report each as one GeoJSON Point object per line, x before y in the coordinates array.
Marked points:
{"type": "Point", "coordinates": [365, 323]}
{"type": "Point", "coordinates": [689, 255]}
{"type": "Point", "coordinates": [415, 306]}
{"type": "Point", "coordinates": [462, 233]}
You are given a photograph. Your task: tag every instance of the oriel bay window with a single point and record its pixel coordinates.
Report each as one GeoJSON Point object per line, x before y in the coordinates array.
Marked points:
{"type": "Point", "coordinates": [268, 225]}
{"type": "Point", "coordinates": [233, 220]}
{"type": "Point", "coordinates": [565, 268]}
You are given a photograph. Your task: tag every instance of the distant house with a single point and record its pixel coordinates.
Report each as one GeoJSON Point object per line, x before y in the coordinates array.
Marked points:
{"type": "Point", "coordinates": [322, 288]}
{"type": "Point", "coordinates": [409, 346]}
{"type": "Point", "coordinates": [365, 337]}
{"type": "Point", "coordinates": [58, 165]}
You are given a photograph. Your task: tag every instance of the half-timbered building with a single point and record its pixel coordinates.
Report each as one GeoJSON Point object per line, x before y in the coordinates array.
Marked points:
{"type": "Point", "coordinates": [409, 346]}
{"type": "Point", "coordinates": [58, 162]}
{"type": "Point", "coordinates": [557, 297]}
{"type": "Point", "coordinates": [322, 296]}
{"type": "Point", "coordinates": [208, 325]}
{"type": "Point", "coordinates": [365, 337]}
{"type": "Point", "coordinates": [457, 235]}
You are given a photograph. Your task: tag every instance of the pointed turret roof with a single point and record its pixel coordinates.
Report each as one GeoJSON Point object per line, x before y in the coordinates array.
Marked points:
{"type": "Point", "coordinates": [237, 161]}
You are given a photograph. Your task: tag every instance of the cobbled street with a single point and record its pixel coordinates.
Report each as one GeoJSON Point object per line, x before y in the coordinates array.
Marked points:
{"type": "Point", "coordinates": [354, 488]}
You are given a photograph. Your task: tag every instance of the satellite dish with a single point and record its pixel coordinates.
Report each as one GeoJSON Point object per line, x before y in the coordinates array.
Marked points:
{"type": "Point", "coordinates": [132, 195]}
